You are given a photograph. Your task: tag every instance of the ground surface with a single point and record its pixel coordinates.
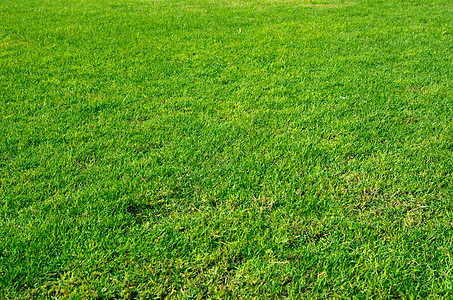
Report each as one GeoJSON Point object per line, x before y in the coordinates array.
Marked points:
{"type": "Point", "coordinates": [229, 149]}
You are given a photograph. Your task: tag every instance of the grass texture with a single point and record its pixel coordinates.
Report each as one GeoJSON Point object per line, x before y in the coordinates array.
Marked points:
{"type": "Point", "coordinates": [228, 149]}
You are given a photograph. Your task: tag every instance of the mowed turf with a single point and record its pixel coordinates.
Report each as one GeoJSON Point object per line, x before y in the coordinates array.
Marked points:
{"type": "Point", "coordinates": [226, 149]}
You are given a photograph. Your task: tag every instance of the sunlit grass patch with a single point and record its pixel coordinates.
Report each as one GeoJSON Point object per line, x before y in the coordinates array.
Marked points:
{"type": "Point", "coordinates": [225, 149]}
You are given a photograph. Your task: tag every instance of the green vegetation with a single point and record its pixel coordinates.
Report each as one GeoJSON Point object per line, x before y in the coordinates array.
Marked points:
{"type": "Point", "coordinates": [226, 149]}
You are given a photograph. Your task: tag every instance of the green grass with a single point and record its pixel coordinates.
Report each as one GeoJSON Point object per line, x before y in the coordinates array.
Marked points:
{"type": "Point", "coordinates": [226, 149]}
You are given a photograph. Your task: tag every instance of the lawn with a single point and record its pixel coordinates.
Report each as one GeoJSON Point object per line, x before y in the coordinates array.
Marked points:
{"type": "Point", "coordinates": [229, 149]}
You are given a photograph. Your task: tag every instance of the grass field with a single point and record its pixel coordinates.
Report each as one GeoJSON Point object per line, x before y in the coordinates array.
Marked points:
{"type": "Point", "coordinates": [229, 149]}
